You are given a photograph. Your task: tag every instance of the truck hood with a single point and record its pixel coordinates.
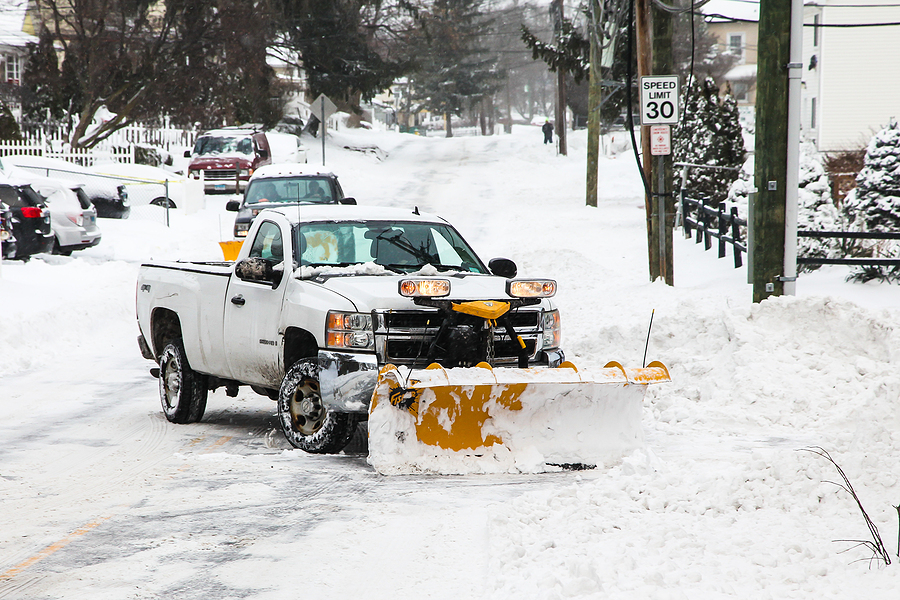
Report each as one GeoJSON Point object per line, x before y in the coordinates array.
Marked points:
{"type": "Point", "coordinates": [382, 291]}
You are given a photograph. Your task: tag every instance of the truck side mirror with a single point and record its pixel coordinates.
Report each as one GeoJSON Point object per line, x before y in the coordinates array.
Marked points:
{"type": "Point", "coordinates": [233, 205]}
{"type": "Point", "coordinates": [187, 153]}
{"type": "Point", "coordinates": [257, 270]}
{"type": "Point", "coordinates": [348, 201]}
{"type": "Point", "coordinates": [503, 267]}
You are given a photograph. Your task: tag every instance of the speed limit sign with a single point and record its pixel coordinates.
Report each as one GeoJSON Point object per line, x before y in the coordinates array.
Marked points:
{"type": "Point", "coordinates": [659, 100]}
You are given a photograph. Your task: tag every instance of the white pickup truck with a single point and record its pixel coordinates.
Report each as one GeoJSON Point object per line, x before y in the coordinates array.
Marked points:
{"type": "Point", "coordinates": [319, 299]}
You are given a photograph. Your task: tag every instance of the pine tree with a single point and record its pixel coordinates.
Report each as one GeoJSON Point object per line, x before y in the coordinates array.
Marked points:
{"type": "Point", "coordinates": [455, 71]}
{"type": "Point", "coordinates": [875, 203]}
{"type": "Point", "coordinates": [709, 134]}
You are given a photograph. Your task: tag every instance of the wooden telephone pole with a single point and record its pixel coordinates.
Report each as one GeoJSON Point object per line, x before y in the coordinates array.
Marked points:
{"type": "Point", "coordinates": [654, 56]}
{"type": "Point", "coordinates": [595, 99]}
{"type": "Point", "coordinates": [769, 202]}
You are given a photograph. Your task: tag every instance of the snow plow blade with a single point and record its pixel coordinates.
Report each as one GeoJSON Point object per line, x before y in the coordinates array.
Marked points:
{"type": "Point", "coordinates": [484, 419]}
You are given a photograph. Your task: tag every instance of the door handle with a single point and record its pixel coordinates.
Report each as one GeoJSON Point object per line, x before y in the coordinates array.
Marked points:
{"type": "Point", "coordinates": [239, 300]}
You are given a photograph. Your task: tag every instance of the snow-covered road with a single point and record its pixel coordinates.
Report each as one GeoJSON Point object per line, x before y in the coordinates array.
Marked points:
{"type": "Point", "coordinates": [102, 498]}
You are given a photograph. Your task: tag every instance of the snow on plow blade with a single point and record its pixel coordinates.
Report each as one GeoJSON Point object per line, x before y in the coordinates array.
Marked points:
{"type": "Point", "coordinates": [479, 419]}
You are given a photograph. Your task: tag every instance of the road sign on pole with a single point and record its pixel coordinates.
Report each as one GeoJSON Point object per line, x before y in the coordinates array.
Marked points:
{"type": "Point", "coordinates": [660, 140]}
{"type": "Point", "coordinates": [659, 100]}
{"type": "Point", "coordinates": [322, 108]}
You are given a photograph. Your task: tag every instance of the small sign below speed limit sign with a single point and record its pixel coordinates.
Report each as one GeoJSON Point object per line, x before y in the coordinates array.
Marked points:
{"type": "Point", "coordinates": [659, 100]}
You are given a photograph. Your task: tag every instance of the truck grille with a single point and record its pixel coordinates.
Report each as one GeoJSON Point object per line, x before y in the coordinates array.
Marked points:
{"type": "Point", "coordinates": [219, 174]}
{"type": "Point", "coordinates": [404, 337]}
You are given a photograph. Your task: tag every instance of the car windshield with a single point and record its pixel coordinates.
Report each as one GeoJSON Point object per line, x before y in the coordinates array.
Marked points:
{"type": "Point", "coordinates": [216, 144]}
{"type": "Point", "coordinates": [304, 189]}
{"type": "Point", "coordinates": [403, 247]}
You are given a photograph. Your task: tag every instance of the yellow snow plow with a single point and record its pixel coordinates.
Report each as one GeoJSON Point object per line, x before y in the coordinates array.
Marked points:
{"type": "Point", "coordinates": [483, 419]}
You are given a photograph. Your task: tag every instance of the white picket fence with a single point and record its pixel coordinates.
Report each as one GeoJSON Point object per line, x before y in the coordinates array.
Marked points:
{"type": "Point", "coordinates": [79, 156]}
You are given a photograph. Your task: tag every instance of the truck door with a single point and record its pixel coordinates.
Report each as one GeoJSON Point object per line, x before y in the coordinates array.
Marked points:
{"type": "Point", "coordinates": [253, 307]}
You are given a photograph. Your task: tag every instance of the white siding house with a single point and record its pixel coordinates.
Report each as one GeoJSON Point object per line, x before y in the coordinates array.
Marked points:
{"type": "Point", "coordinates": [851, 75]}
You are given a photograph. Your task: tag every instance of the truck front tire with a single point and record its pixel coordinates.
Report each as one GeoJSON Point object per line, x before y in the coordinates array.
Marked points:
{"type": "Point", "coordinates": [182, 391]}
{"type": "Point", "coordinates": [306, 422]}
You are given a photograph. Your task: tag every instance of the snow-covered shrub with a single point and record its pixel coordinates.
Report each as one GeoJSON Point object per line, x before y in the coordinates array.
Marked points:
{"type": "Point", "coordinates": [875, 203]}
{"type": "Point", "coordinates": [816, 210]}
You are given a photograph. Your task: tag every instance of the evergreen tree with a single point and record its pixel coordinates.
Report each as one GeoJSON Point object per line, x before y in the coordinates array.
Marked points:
{"type": "Point", "coordinates": [42, 93]}
{"type": "Point", "coordinates": [709, 134]}
{"type": "Point", "coordinates": [338, 47]}
{"type": "Point", "coordinates": [875, 203]}
{"type": "Point", "coordinates": [455, 72]}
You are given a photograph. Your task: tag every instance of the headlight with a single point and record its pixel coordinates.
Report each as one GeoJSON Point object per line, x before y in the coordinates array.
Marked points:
{"type": "Point", "coordinates": [429, 288]}
{"type": "Point", "coordinates": [552, 331]}
{"type": "Point", "coordinates": [349, 330]}
{"type": "Point", "coordinates": [241, 229]}
{"type": "Point", "coordinates": [534, 288]}
{"type": "Point", "coordinates": [245, 172]}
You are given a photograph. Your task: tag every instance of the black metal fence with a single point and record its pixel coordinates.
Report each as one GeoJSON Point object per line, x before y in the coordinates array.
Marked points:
{"type": "Point", "coordinates": [708, 222]}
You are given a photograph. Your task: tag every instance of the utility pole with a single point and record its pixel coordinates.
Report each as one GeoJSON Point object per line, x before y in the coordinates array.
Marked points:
{"type": "Point", "coordinates": [768, 204]}
{"type": "Point", "coordinates": [664, 202]}
{"type": "Point", "coordinates": [644, 61]}
{"type": "Point", "coordinates": [556, 10]}
{"type": "Point", "coordinates": [595, 99]}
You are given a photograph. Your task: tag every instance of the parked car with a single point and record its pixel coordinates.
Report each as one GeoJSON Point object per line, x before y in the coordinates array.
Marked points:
{"type": "Point", "coordinates": [7, 237]}
{"type": "Point", "coordinates": [145, 184]}
{"type": "Point", "coordinates": [30, 220]}
{"type": "Point", "coordinates": [72, 216]}
{"type": "Point", "coordinates": [273, 186]}
{"type": "Point", "coordinates": [227, 157]}
{"type": "Point", "coordinates": [108, 196]}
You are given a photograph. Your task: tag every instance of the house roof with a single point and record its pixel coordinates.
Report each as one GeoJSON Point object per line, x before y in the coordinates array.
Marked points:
{"type": "Point", "coordinates": [14, 22]}
{"type": "Point", "coordinates": [731, 10]}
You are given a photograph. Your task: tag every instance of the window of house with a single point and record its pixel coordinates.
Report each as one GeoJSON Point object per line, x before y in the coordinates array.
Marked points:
{"type": "Point", "coordinates": [736, 45]}
{"type": "Point", "coordinates": [815, 31]}
{"type": "Point", "coordinates": [11, 69]}
{"type": "Point", "coordinates": [741, 90]}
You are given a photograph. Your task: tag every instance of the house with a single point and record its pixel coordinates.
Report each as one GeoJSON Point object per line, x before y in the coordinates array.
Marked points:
{"type": "Point", "coordinates": [736, 27]}
{"type": "Point", "coordinates": [851, 75]}
{"type": "Point", "coordinates": [15, 34]}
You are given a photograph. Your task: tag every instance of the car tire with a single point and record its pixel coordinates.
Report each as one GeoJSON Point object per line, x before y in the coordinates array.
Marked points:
{"type": "Point", "coordinates": [161, 201]}
{"type": "Point", "coordinates": [182, 391]}
{"type": "Point", "coordinates": [306, 422]}
{"type": "Point", "coordinates": [57, 249]}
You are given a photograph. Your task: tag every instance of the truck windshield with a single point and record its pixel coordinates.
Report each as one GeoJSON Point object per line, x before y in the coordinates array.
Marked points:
{"type": "Point", "coordinates": [290, 189]}
{"type": "Point", "coordinates": [207, 145]}
{"type": "Point", "coordinates": [398, 246]}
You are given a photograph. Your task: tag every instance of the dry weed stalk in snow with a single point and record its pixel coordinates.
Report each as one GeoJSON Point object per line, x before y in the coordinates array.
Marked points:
{"type": "Point", "coordinates": [877, 547]}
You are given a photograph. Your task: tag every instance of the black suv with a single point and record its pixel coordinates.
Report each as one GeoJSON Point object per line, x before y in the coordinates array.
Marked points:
{"type": "Point", "coordinates": [30, 220]}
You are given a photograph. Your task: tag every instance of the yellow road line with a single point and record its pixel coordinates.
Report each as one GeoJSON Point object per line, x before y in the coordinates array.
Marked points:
{"type": "Point", "coordinates": [52, 548]}
{"type": "Point", "coordinates": [219, 442]}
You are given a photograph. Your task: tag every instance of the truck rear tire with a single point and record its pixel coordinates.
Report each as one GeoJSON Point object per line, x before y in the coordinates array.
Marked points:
{"type": "Point", "coordinates": [182, 391]}
{"type": "Point", "coordinates": [306, 422]}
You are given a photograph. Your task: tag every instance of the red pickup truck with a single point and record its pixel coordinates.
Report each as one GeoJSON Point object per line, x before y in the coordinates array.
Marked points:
{"type": "Point", "coordinates": [227, 157]}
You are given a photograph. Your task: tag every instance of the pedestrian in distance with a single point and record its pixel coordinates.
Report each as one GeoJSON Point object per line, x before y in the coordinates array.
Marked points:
{"type": "Point", "coordinates": [547, 128]}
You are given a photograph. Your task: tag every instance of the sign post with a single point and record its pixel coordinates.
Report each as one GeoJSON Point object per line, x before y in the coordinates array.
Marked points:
{"type": "Point", "coordinates": [659, 110]}
{"type": "Point", "coordinates": [322, 108]}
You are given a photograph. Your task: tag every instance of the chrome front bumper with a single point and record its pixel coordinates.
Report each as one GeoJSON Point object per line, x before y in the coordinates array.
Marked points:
{"type": "Point", "coordinates": [347, 381]}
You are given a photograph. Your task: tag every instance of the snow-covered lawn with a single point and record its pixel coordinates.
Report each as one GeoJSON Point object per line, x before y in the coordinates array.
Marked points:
{"type": "Point", "coordinates": [721, 502]}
